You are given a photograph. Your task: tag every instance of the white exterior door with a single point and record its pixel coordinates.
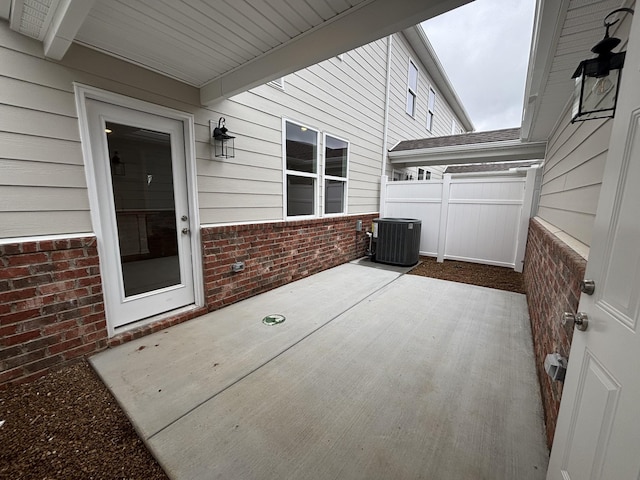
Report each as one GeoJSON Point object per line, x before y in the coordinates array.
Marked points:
{"type": "Point", "coordinates": [598, 430]}
{"type": "Point", "coordinates": [144, 230]}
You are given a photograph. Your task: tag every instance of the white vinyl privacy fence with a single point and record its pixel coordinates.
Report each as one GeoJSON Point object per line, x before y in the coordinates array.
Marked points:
{"type": "Point", "coordinates": [479, 218]}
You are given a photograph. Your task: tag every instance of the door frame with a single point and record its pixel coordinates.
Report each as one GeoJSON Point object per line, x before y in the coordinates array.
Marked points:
{"type": "Point", "coordinates": [82, 94]}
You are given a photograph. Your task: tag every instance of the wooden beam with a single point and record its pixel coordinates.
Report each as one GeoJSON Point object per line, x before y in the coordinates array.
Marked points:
{"type": "Point", "coordinates": [358, 26]}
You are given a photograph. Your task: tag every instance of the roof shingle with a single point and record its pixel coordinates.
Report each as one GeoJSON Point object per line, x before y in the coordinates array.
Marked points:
{"type": "Point", "coordinates": [462, 139]}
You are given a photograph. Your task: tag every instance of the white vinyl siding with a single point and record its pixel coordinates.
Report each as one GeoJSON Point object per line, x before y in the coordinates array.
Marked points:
{"type": "Point", "coordinates": [412, 88]}
{"type": "Point", "coordinates": [41, 155]}
{"type": "Point", "coordinates": [574, 166]}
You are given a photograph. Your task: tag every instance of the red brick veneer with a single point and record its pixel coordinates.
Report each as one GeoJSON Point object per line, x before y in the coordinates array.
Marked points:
{"type": "Point", "coordinates": [276, 254]}
{"type": "Point", "coordinates": [552, 275]}
{"type": "Point", "coordinates": [51, 306]}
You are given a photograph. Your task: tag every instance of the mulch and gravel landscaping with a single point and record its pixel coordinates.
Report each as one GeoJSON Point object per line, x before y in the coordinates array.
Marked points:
{"type": "Point", "coordinates": [500, 278]}
{"type": "Point", "coordinates": [67, 425]}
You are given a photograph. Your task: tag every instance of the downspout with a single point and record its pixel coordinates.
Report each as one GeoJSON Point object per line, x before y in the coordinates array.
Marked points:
{"type": "Point", "coordinates": [385, 128]}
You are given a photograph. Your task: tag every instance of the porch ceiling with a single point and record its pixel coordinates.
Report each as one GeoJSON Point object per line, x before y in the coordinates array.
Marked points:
{"type": "Point", "coordinates": [219, 46]}
{"type": "Point", "coordinates": [564, 33]}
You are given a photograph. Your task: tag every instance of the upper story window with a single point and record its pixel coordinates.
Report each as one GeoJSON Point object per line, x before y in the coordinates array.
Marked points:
{"type": "Point", "coordinates": [336, 168]}
{"type": "Point", "coordinates": [431, 108]}
{"type": "Point", "coordinates": [424, 174]}
{"type": "Point", "coordinates": [301, 169]}
{"type": "Point", "coordinates": [412, 89]}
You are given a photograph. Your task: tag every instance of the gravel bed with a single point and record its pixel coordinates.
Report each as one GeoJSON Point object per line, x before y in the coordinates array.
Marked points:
{"type": "Point", "coordinates": [67, 425]}
{"type": "Point", "coordinates": [490, 276]}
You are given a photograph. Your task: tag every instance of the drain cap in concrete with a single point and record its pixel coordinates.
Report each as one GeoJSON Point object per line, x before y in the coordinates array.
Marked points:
{"type": "Point", "coordinates": [273, 319]}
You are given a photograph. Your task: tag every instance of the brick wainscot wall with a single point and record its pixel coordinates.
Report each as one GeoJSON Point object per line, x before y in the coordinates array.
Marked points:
{"type": "Point", "coordinates": [51, 303]}
{"type": "Point", "coordinates": [276, 253]}
{"type": "Point", "coordinates": [51, 306]}
{"type": "Point", "coordinates": [552, 275]}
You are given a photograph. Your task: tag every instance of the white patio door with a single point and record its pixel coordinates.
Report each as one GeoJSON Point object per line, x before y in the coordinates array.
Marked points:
{"type": "Point", "coordinates": [140, 170]}
{"type": "Point", "coordinates": [598, 430]}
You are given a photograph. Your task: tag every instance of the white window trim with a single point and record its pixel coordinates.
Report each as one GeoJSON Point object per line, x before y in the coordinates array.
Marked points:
{"type": "Point", "coordinates": [332, 177]}
{"type": "Point", "coordinates": [410, 90]}
{"type": "Point", "coordinates": [430, 109]}
{"type": "Point", "coordinates": [84, 92]}
{"type": "Point", "coordinates": [285, 172]}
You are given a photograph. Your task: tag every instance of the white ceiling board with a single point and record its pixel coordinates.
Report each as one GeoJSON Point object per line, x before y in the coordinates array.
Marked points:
{"type": "Point", "coordinates": [221, 46]}
{"type": "Point", "coordinates": [196, 41]}
{"type": "Point", "coordinates": [368, 21]}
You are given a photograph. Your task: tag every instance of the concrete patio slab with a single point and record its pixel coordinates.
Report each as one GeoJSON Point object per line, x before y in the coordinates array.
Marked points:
{"type": "Point", "coordinates": [177, 369]}
{"type": "Point", "coordinates": [422, 378]}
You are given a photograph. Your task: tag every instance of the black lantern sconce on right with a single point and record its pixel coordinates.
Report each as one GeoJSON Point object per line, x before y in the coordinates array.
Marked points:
{"type": "Point", "coordinates": [222, 142]}
{"type": "Point", "coordinates": [598, 79]}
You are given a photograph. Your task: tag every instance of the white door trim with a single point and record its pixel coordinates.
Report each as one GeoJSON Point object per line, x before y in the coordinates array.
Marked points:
{"type": "Point", "coordinates": [84, 92]}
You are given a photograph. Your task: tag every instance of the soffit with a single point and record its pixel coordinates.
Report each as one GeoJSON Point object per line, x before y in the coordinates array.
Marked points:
{"type": "Point", "coordinates": [564, 34]}
{"type": "Point", "coordinates": [222, 47]}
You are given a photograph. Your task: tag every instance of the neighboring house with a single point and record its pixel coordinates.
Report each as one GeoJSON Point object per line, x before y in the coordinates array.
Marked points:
{"type": "Point", "coordinates": [117, 217]}
{"type": "Point", "coordinates": [424, 106]}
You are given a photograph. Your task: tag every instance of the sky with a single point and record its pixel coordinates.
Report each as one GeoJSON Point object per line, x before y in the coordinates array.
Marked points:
{"type": "Point", "coordinates": [484, 48]}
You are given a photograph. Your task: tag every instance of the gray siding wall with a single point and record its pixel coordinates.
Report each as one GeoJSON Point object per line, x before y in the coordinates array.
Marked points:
{"type": "Point", "coordinates": [42, 185]}
{"type": "Point", "coordinates": [574, 166]}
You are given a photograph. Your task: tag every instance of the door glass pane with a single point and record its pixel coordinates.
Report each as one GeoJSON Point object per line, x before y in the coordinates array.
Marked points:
{"type": "Point", "coordinates": [142, 178]}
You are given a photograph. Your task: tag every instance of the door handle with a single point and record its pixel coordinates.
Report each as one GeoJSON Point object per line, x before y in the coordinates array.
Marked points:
{"type": "Point", "coordinates": [580, 320]}
{"type": "Point", "coordinates": [185, 230]}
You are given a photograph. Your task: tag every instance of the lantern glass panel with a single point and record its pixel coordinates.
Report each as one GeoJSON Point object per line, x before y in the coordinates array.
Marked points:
{"type": "Point", "coordinates": [597, 96]}
{"type": "Point", "coordinates": [600, 93]}
{"type": "Point", "coordinates": [224, 148]}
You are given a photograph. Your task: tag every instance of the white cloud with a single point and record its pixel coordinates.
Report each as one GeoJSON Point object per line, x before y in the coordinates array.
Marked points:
{"type": "Point", "coordinates": [484, 48]}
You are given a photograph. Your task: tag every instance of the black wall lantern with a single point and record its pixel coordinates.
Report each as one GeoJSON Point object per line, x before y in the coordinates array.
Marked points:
{"type": "Point", "coordinates": [598, 79]}
{"type": "Point", "coordinates": [222, 141]}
